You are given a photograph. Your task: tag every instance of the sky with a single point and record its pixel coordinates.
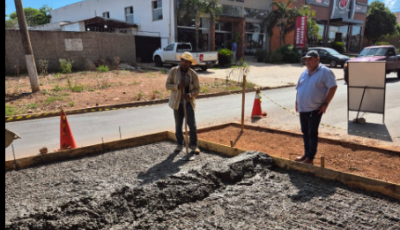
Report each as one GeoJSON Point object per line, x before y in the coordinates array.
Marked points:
{"type": "Point", "coordinates": [393, 5]}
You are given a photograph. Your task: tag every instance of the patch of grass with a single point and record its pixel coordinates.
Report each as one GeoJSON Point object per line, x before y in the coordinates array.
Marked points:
{"type": "Point", "coordinates": [136, 83]}
{"type": "Point", "coordinates": [216, 84]}
{"type": "Point", "coordinates": [157, 91]}
{"type": "Point", "coordinates": [65, 65]}
{"type": "Point", "coordinates": [57, 75]}
{"type": "Point", "coordinates": [83, 72]}
{"type": "Point", "coordinates": [76, 87]}
{"type": "Point", "coordinates": [57, 88]}
{"type": "Point", "coordinates": [103, 68]}
{"type": "Point", "coordinates": [164, 71]}
{"type": "Point", "coordinates": [139, 96]}
{"type": "Point", "coordinates": [71, 104]}
{"type": "Point", "coordinates": [65, 94]}
{"type": "Point", "coordinates": [32, 106]}
{"type": "Point", "coordinates": [52, 99]}
{"type": "Point", "coordinates": [10, 111]}
{"type": "Point", "coordinates": [91, 89]}
{"type": "Point", "coordinates": [204, 89]}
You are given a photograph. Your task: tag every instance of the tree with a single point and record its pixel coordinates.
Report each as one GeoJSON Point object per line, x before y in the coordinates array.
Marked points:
{"type": "Point", "coordinates": [285, 18]}
{"type": "Point", "coordinates": [380, 22]}
{"type": "Point", "coordinates": [312, 26]}
{"type": "Point", "coordinates": [34, 16]}
{"type": "Point", "coordinates": [213, 8]}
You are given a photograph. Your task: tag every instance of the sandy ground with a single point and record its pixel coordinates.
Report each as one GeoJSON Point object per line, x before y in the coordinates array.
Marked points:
{"type": "Point", "coordinates": [146, 188]}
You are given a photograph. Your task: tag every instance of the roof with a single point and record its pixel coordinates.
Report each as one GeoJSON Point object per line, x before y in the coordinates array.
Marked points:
{"type": "Point", "coordinates": [380, 46]}
{"type": "Point", "coordinates": [101, 22]}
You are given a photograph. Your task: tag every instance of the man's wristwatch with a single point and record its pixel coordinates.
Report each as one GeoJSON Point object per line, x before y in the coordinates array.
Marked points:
{"type": "Point", "coordinates": [325, 104]}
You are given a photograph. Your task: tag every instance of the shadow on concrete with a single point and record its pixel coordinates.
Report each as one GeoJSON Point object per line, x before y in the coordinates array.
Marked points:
{"type": "Point", "coordinates": [369, 130]}
{"type": "Point", "coordinates": [392, 80]}
{"type": "Point", "coordinates": [161, 170]}
{"type": "Point", "coordinates": [309, 186]}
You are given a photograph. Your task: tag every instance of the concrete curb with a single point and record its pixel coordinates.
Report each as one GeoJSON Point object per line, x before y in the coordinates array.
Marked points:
{"type": "Point", "coordinates": [23, 117]}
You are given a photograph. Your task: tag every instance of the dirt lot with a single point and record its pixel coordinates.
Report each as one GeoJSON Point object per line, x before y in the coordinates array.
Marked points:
{"type": "Point", "coordinates": [372, 164]}
{"type": "Point", "coordinates": [90, 89]}
{"type": "Point", "coordinates": [147, 188]}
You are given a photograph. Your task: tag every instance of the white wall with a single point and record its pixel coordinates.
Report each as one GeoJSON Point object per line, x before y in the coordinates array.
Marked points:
{"type": "Point", "coordinates": [77, 26]}
{"type": "Point", "coordinates": [142, 13]}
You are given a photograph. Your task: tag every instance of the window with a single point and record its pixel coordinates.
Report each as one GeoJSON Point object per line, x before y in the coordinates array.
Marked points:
{"type": "Point", "coordinates": [235, 11]}
{"type": "Point", "coordinates": [355, 38]}
{"type": "Point", "coordinates": [254, 38]}
{"type": "Point", "coordinates": [157, 10]}
{"type": "Point", "coordinates": [254, 13]}
{"type": "Point", "coordinates": [184, 48]}
{"type": "Point", "coordinates": [391, 52]}
{"type": "Point", "coordinates": [170, 48]}
{"type": "Point", "coordinates": [223, 26]}
{"type": "Point", "coordinates": [106, 15]}
{"type": "Point", "coordinates": [129, 14]}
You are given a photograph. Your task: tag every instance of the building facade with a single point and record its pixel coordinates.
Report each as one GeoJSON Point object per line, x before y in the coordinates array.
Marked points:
{"type": "Point", "coordinates": [338, 21]}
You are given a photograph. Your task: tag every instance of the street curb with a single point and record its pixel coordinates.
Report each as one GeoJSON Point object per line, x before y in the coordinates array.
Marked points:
{"type": "Point", "coordinates": [23, 117]}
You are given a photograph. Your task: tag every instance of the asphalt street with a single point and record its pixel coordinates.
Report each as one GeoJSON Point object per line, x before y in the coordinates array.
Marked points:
{"type": "Point", "coordinates": [93, 128]}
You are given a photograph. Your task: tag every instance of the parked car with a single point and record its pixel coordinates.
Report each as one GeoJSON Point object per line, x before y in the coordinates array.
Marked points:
{"type": "Point", "coordinates": [329, 56]}
{"type": "Point", "coordinates": [169, 54]}
{"type": "Point", "coordinates": [377, 53]}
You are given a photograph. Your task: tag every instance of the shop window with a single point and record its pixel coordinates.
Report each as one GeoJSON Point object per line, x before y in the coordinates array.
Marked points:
{"type": "Point", "coordinates": [235, 11]}
{"type": "Point", "coordinates": [254, 13]}
{"type": "Point", "coordinates": [157, 10]}
{"type": "Point", "coordinates": [338, 34]}
{"type": "Point", "coordinates": [129, 14]}
{"type": "Point", "coordinates": [254, 38]}
{"type": "Point", "coordinates": [317, 40]}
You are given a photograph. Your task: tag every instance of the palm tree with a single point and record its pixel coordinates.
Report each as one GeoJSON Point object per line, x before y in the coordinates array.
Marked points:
{"type": "Point", "coordinates": [285, 18]}
{"type": "Point", "coordinates": [194, 8]}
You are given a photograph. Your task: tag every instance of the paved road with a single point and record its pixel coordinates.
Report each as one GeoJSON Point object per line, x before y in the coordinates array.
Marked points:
{"type": "Point", "coordinates": [91, 128]}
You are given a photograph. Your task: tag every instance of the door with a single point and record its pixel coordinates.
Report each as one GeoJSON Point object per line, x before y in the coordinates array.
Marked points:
{"type": "Point", "coordinates": [391, 59]}
{"type": "Point", "coordinates": [323, 56]}
{"type": "Point", "coordinates": [145, 47]}
{"type": "Point", "coordinates": [169, 53]}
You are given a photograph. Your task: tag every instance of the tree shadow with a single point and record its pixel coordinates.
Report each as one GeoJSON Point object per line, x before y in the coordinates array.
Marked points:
{"type": "Point", "coordinates": [161, 170]}
{"type": "Point", "coordinates": [369, 130]}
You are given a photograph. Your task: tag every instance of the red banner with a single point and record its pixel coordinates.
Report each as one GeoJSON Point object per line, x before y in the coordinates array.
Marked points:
{"type": "Point", "coordinates": [301, 32]}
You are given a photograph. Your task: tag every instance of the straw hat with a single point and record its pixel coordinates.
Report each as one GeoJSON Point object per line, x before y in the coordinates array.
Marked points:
{"type": "Point", "coordinates": [187, 56]}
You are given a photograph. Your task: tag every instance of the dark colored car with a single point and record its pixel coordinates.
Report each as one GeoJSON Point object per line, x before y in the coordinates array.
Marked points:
{"type": "Point", "coordinates": [329, 56]}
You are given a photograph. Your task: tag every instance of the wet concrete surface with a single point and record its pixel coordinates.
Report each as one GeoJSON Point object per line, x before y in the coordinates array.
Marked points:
{"type": "Point", "coordinates": [147, 187]}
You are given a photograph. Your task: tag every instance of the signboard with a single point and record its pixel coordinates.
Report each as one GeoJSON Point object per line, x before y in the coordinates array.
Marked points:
{"type": "Point", "coordinates": [343, 9]}
{"type": "Point", "coordinates": [324, 3]}
{"type": "Point", "coordinates": [361, 8]}
{"type": "Point", "coordinates": [74, 44]}
{"type": "Point", "coordinates": [301, 32]}
{"type": "Point", "coordinates": [367, 87]}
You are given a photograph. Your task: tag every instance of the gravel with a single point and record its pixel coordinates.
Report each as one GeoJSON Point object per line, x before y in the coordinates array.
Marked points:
{"type": "Point", "coordinates": [147, 188]}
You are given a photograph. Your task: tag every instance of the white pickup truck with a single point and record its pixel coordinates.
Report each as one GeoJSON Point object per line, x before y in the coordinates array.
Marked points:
{"type": "Point", "coordinates": [168, 55]}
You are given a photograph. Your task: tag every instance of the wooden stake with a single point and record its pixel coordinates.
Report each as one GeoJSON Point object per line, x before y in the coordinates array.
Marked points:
{"type": "Point", "coordinates": [186, 133]}
{"type": "Point", "coordinates": [26, 42]}
{"type": "Point", "coordinates": [243, 98]}
{"type": "Point", "coordinates": [231, 143]}
{"type": "Point", "coordinates": [322, 162]}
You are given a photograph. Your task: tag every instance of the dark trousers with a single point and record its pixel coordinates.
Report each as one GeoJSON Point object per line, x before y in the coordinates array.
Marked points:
{"type": "Point", "coordinates": [179, 121]}
{"type": "Point", "coordinates": [309, 126]}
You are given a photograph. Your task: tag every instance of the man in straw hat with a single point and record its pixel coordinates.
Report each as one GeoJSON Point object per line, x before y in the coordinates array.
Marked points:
{"type": "Point", "coordinates": [315, 90]}
{"type": "Point", "coordinates": [183, 83]}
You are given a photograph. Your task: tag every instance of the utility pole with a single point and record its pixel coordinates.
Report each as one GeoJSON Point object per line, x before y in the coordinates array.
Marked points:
{"type": "Point", "coordinates": [26, 42]}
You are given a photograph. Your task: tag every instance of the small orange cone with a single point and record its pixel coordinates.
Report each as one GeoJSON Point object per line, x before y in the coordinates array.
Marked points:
{"type": "Point", "coordinates": [66, 138]}
{"type": "Point", "coordinates": [257, 112]}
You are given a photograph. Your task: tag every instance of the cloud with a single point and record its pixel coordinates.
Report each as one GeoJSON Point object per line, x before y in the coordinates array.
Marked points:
{"type": "Point", "coordinates": [393, 5]}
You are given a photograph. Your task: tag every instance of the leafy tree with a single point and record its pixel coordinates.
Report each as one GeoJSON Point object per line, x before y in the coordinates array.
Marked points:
{"type": "Point", "coordinates": [213, 8]}
{"type": "Point", "coordinates": [380, 22]}
{"type": "Point", "coordinates": [11, 23]}
{"type": "Point", "coordinates": [285, 18]}
{"type": "Point", "coordinates": [34, 16]}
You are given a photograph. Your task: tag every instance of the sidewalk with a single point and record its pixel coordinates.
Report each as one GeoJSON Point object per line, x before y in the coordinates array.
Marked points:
{"type": "Point", "coordinates": [269, 75]}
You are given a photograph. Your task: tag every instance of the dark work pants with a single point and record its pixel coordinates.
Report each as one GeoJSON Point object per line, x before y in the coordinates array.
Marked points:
{"type": "Point", "coordinates": [179, 122]}
{"type": "Point", "coordinates": [309, 126]}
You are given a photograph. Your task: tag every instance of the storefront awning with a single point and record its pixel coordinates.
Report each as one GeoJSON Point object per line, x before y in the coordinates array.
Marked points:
{"type": "Point", "coordinates": [343, 22]}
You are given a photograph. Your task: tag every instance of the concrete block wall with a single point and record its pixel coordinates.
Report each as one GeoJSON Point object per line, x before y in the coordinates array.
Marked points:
{"type": "Point", "coordinates": [51, 46]}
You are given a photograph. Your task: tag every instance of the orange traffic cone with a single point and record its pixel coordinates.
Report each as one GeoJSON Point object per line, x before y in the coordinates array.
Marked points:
{"type": "Point", "coordinates": [66, 138]}
{"type": "Point", "coordinates": [257, 112]}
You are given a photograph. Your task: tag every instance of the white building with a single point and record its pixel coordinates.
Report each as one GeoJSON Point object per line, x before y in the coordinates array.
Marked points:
{"type": "Point", "coordinates": [153, 18]}
{"type": "Point", "coordinates": [157, 18]}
